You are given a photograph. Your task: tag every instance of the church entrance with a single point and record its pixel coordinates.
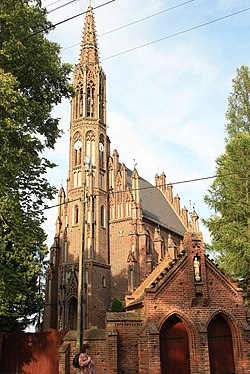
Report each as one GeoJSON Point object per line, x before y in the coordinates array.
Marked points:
{"type": "Point", "coordinates": [174, 347]}
{"type": "Point", "coordinates": [220, 347]}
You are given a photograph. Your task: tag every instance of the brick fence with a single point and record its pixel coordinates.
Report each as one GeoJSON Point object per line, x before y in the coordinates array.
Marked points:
{"type": "Point", "coordinates": [30, 353]}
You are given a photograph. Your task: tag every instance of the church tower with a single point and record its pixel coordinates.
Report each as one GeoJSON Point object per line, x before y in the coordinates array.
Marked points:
{"type": "Point", "coordinates": [81, 239]}
{"type": "Point", "coordinates": [113, 227]}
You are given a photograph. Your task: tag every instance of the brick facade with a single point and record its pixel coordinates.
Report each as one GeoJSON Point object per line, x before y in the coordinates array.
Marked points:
{"type": "Point", "coordinates": [131, 240]}
{"type": "Point", "coordinates": [118, 225]}
{"type": "Point", "coordinates": [131, 342]}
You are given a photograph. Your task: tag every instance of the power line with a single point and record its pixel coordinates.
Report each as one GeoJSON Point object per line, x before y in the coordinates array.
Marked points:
{"type": "Point", "coordinates": [134, 22]}
{"type": "Point", "coordinates": [155, 187]}
{"type": "Point", "coordinates": [184, 181]}
{"type": "Point", "coordinates": [150, 16]}
{"type": "Point", "coordinates": [54, 2]}
{"type": "Point", "coordinates": [54, 206]}
{"type": "Point", "coordinates": [177, 33]}
{"type": "Point", "coordinates": [68, 19]}
{"type": "Point", "coordinates": [62, 6]}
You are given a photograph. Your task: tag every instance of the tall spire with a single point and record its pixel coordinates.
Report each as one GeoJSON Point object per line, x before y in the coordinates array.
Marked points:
{"type": "Point", "coordinates": [89, 50]}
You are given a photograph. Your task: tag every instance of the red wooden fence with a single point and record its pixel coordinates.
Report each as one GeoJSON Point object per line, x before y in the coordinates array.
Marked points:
{"type": "Point", "coordinates": [31, 353]}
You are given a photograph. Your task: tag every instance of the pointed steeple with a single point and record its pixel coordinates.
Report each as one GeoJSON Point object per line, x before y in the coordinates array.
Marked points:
{"type": "Point", "coordinates": [89, 50]}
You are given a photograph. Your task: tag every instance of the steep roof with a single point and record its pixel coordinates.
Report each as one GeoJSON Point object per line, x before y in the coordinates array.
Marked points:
{"type": "Point", "coordinates": [156, 208]}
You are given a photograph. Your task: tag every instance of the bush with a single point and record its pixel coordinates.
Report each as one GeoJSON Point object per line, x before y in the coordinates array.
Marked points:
{"type": "Point", "coordinates": [116, 305]}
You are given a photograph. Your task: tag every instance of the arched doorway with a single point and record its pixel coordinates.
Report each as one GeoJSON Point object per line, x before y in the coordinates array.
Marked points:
{"type": "Point", "coordinates": [220, 347]}
{"type": "Point", "coordinates": [174, 347]}
{"type": "Point", "coordinates": [72, 314]}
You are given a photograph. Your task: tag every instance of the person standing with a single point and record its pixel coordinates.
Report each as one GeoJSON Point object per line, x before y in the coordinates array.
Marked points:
{"type": "Point", "coordinates": [86, 365]}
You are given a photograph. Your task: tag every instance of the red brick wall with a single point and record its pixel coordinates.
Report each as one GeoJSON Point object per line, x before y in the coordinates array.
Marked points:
{"type": "Point", "coordinates": [31, 353]}
{"type": "Point", "coordinates": [98, 294]}
{"type": "Point", "coordinates": [119, 251]}
{"type": "Point", "coordinates": [103, 350]}
{"type": "Point", "coordinates": [128, 326]}
{"type": "Point", "coordinates": [131, 341]}
{"type": "Point", "coordinates": [174, 298]}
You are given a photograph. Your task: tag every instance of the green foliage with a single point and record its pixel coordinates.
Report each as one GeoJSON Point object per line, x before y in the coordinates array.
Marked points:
{"type": "Point", "coordinates": [229, 194]}
{"type": "Point", "coordinates": [238, 112]}
{"type": "Point", "coordinates": [116, 305]}
{"type": "Point", "coordinates": [32, 81]}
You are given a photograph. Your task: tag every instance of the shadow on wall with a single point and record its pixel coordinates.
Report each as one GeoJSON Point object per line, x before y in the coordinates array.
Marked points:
{"type": "Point", "coordinates": [31, 353]}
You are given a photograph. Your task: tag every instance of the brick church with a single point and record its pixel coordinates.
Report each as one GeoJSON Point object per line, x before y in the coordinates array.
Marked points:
{"type": "Point", "coordinates": [118, 236]}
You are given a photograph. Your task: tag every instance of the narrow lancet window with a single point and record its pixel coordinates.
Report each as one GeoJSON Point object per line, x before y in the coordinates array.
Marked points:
{"type": "Point", "coordinates": [90, 99]}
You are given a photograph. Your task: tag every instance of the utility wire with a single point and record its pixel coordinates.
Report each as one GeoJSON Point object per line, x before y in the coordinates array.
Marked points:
{"type": "Point", "coordinates": [54, 2]}
{"type": "Point", "coordinates": [68, 19]}
{"type": "Point", "coordinates": [134, 22]}
{"type": "Point", "coordinates": [177, 33]}
{"type": "Point", "coordinates": [150, 16]}
{"type": "Point", "coordinates": [184, 181]}
{"type": "Point", "coordinates": [62, 6]}
{"type": "Point", "coordinates": [155, 187]}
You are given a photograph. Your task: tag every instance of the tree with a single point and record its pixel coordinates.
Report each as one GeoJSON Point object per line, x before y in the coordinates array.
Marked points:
{"type": "Point", "coordinates": [238, 112]}
{"type": "Point", "coordinates": [229, 194]}
{"type": "Point", "coordinates": [116, 305]}
{"type": "Point", "coordinates": [32, 81]}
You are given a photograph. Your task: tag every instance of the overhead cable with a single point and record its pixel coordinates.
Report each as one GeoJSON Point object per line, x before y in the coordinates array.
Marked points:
{"type": "Point", "coordinates": [155, 187]}
{"type": "Point", "coordinates": [134, 22]}
{"type": "Point", "coordinates": [54, 2]}
{"type": "Point", "coordinates": [177, 33]}
{"type": "Point", "coordinates": [68, 19]}
{"type": "Point", "coordinates": [62, 6]}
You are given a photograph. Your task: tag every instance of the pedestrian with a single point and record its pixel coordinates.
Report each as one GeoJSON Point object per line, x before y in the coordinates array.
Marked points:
{"type": "Point", "coordinates": [86, 365]}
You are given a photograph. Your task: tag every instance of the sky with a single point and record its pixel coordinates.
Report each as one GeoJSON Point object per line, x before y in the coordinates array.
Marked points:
{"type": "Point", "coordinates": [166, 101]}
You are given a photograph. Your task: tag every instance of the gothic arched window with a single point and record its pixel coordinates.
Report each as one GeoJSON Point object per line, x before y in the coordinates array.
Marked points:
{"type": "Point", "coordinates": [101, 97]}
{"type": "Point", "coordinates": [131, 278]}
{"type": "Point", "coordinates": [77, 156]}
{"type": "Point", "coordinates": [90, 146]}
{"type": "Point", "coordinates": [128, 207]}
{"type": "Point", "coordinates": [90, 99]}
{"type": "Point", "coordinates": [103, 223]}
{"type": "Point", "coordinates": [148, 244]}
{"type": "Point", "coordinates": [101, 151]}
{"type": "Point", "coordinates": [79, 101]}
{"type": "Point", "coordinates": [79, 178]}
{"type": "Point", "coordinates": [76, 214]}
{"type": "Point", "coordinates": [77, 150]}
{"type": "Point", "coordinates": [112, 208]}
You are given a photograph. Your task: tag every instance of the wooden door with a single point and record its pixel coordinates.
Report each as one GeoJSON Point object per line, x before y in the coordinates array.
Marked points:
{"type": "Point", "coordinates": [174, 347]}
{"type": "Point", "coordinates": [220, 347]}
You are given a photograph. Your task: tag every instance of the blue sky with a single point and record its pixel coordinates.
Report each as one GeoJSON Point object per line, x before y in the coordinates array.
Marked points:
{"type": "Point", "coordinates": [166, 102]}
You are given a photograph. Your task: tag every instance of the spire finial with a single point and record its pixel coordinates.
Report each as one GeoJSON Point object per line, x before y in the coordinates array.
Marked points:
{"type": "Point", "coordinates": [89, 51]}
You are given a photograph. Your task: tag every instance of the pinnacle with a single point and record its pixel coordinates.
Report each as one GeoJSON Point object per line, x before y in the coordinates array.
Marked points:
{"type": "Point", "coordinates": [89, 51]}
